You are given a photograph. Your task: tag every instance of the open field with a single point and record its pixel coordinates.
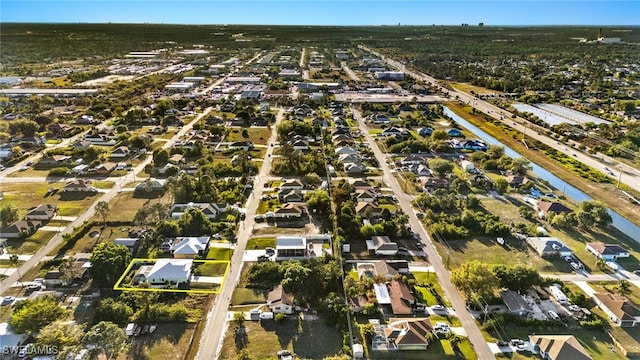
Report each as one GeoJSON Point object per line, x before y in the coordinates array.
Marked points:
{"type": "Point", "coordinates": [27, 195]}
{"type": "Point", "coordinates": [259, 135]}
{"type": "Point", "coordinates": [310, 339]}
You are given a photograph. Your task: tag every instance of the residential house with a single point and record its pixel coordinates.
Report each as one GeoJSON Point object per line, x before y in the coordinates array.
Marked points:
{"type": "Point", "coordinates": [287, 196]}
{"type": "Point", "coordinates": [54, 278]}
{"type": "Point", "coordinates": [164, 272]}
{"type": "Point", "coordinates": [346, 136]}
{"type": "Point", "coordinates": [291, 247]}
{"type": "Point", "coordinates": [558, 347]}
{"type": "Point", "coordinates": [368, 196]}
{"type": "Point", "coordinates": [549, 246]}
{"type": "Point", "coordinates": [354, 168]}
{"type": "Point", "coordinates": [86, 120]}
{"type": "Point", "coordinates": [382, 245]}
{"type": "Point", "coordinates": [106, 168]}
{"type": "Point", "coordinates": [176, 159]}
{"type": "Point", "coordinates": [357, 304]}
{"type": "Point", "coordinates": [120, 152]}
{"type": "Point", "coordinates": [413, 159]}
{"type": "Point", "coordinates": [607, 251]}
{"type": "Point", "coordinates": [421, 170]}
{"type": "Point", "coordinates": [343, 143]}
{"type": "Point", "coordinates": [555, 207]}
{"type": "Point", "coordinates": [131, 243]}
{"type": "Point", "coordinates": [62, 130]}
{"type": "Point", "coordinates": [516, 181]}
{"type": "Point", "coordinates": [408, 334]}
{"type": "Point", "coordinates": [516, 303]}
{"type": "Point", "coordinates": [621, 310]}
{"type": "Point", "coordinates": [304, 110]}
{"type": "Point", "coordinates": [20, 228]}
{"type": "Point", "coordinates": [360, 184]}
{"type": "Point", "coordinates": [55, 160]}
{"type": "Point", "coordinates": [346, 150]}
{"type": "Point", "coordinates": [384, 268]}
{"type": "Point", "coordinates": [279, 301]}
{"type": "Point", "coordinates": [468, 166]}
{"type": "Point", "coordinates": [44, 212]}
{"type": "Point", "coordinates": [380, 119]}
{"type": "Point", "coordinates": [292, 184]}
{"type": "Point", "coordinates": [290, 210]}
{"type": "Point", "coordinates": [82, 144]}
{"type": "Point", "coordinates": [402, 298]}
{"type": "Point", "coordinates": [242, 145]}
{"type": "Point", "coordinates": [300, 145]}
{"type": "Point", "coordinates": [368, 210]}
{"type": "Point", "coordinates": [350, 158]}
{"type": "Point", "coordinates": [190, 247]}
{"type": "Point", "coordinates": [475, 145]}
{"type": "Point", "coordinates": [400, 133]}
{"type": "Point", "coordinates": [77, 185]}
{"type": "Point", "coordinates": [150, 185]}
{"type": "Point", "coordinates": [432, 183]}
{"type": "Point", "coordinates": [211, 210]}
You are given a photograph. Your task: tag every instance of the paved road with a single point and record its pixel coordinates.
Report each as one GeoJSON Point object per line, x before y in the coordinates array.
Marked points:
{"type": "Point", "coordinates": [213, 334]}
{"type": "Point", "coordinates": [349, 72]}
{"type": "Point", "coordinates": [468, 322]}
{"type": "Point", "coordinates": [629, 177]}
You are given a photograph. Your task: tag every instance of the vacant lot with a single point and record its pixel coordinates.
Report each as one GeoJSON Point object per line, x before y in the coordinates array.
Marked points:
{"type": "Point", "coordinates": [27, 195]}
{"type": "Point", "coordinates": [309, 339]}
{"type": "Point", "coordinates": [259, 135]}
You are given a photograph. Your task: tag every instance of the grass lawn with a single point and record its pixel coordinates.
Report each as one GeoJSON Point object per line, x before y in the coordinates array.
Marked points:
{"type": "Point", "coordinates": [128, 206]}
{"type": "Point", "coordinates": [309, 339]}
{"type": "Point", "coordinates": [216, 253]}
{"type": "Point", "coordinates": [243, 296]}
{"type": "Point", "coordinates": [27, 195]}
{"type": "Point", "coordinates": [259, 135]}
{"type": "Point", "coordinates": [169, 341]}
{"type": "Point", "coordinates": [31, 244]}
{"type": "Point", "coordinates": [86, 243]}
{"type": "Point", "coordinates": [103, 184]}
{"type": "Point", "coordinates": [211, 269]}
{"type": "Point", "coordinates": [267, 205]}
{"type": "Point", "coordinates": [261, 243]}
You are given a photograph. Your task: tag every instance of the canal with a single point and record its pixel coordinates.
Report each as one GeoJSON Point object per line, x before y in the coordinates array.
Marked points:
{"type": "Point", "coordinates": [619, 222]}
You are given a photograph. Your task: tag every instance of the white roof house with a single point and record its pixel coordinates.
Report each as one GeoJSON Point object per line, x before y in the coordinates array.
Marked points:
{"type": "Point", "coordinates": [169, 272]}
{"type": "Point", "coordinates": [190, 247]}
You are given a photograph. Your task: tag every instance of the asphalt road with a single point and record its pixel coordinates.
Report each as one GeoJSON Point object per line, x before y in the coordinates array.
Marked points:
{"type": "Point", "coordinates": [457, 302]}
{"type": "Point", "coordinates": [213, 333]}
{"type": "Point", "coordinates": [628, 176]}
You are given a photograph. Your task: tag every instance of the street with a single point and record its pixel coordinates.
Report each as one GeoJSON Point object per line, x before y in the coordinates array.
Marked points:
{"type": "Point", "coordinates": [457, 302]}
{"type": "Point", "coordinates": [213, 333]}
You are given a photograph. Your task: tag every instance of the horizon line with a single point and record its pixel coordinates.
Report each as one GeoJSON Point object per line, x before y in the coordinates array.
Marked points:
{"type": "Point", "coordinates": [308, 25]}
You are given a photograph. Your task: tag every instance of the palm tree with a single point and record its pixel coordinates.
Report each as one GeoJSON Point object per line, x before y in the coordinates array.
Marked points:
{"type": "Point", "coordinates": [623, 287]}
{"type": "Point", "coordinates": [600, 263]}
{"type": "Point", "coordinates": [13, 259]}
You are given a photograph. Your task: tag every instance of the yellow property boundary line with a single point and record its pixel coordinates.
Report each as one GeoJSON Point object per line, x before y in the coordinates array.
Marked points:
{"type": "Point", "coordinates": [118, 285]}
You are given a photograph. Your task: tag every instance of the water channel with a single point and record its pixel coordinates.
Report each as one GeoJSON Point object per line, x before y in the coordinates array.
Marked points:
{"type": "Point", "coordinates": [619, 222]}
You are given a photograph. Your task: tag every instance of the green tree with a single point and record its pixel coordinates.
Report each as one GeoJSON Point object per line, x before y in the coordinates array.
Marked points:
{"type": "Point", "coordinates": [108, 262]}
{"type": "Point", "coordinates": [13, 260]}
{"type": "Point", "coordinates": [24, 127]}
{"type": "Point", "coordinates": [238, 318]}
{"type": "Point", "coordinates": [318, 200]}
{"type": "Point", "coordinates": [501, 185]}
{"type": "Point", "coordinates": [108, 338]}
{"type": "Point", "coordinates": [474, 277]}
{"type": "Point", "coordinates": [29, 316]}
{"type": "Point", "coordinates": [440, 166]}
{"type": "Point", "coordinates": [194, 223]}
{"type": "Point", "coordinates": [160, 157]}
{"type": "Point", "coordinates": [8, 214]}
{"type": "Point", "coordinates": [623, 287]}
{"type": "Point", "coordinates": [439, 135]}
{"type": "Point", "coordinates": [102, 209]}
{"type": "Point", "coordinates": [115, 311]}
{"type": "Point", "coordinates": [517, 278]}
{"type": "Point", "coordinates": [61, 335]}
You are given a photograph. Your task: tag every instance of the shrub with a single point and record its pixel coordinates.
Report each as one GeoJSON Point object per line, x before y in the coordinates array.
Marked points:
{"type": "Point", "coordinates": [280, 317]}
{"type": "Point", "coordinates": [59, 172]}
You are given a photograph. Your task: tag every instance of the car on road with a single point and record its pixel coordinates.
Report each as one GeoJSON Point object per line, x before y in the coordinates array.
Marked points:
{"type": "Point", "coordinates": [8, 300]}
{"type": "Point", "coordinates": [553, 315]}
{"type": "Point", "coordinates": [420, 215]}
{"type": "Point", "coordinates": [2, 168]}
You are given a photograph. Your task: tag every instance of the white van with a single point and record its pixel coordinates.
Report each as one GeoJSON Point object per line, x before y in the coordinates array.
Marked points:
{"type": "Point", "coordinates": [130, 328]}
{"type": "Point", "coordinates": [553, 315]}
{"type": "Point", "coordinates": [267, 315]}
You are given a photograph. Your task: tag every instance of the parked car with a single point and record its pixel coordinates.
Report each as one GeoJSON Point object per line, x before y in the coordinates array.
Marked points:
{"type": "Point", "coordinates": [575, 265]}
{"type": "Point", "coordinates": [553, 315]}
{"type": "Point", "coordinates": [270, 251]}
{"type": "Point", "coordinates": [437, 307]}
{"type": "Point", "coordinates": [8, 300]}
{"type": "Point", "coordinates": [574, 308]}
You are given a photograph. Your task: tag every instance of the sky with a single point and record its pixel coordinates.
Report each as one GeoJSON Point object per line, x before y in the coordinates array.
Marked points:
{"type": "Point", "coordinates": [326, 12]}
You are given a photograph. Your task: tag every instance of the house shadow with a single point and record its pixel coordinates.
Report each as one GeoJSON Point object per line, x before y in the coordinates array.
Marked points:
{"type": "Point", "coordinates": [76, 195]}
